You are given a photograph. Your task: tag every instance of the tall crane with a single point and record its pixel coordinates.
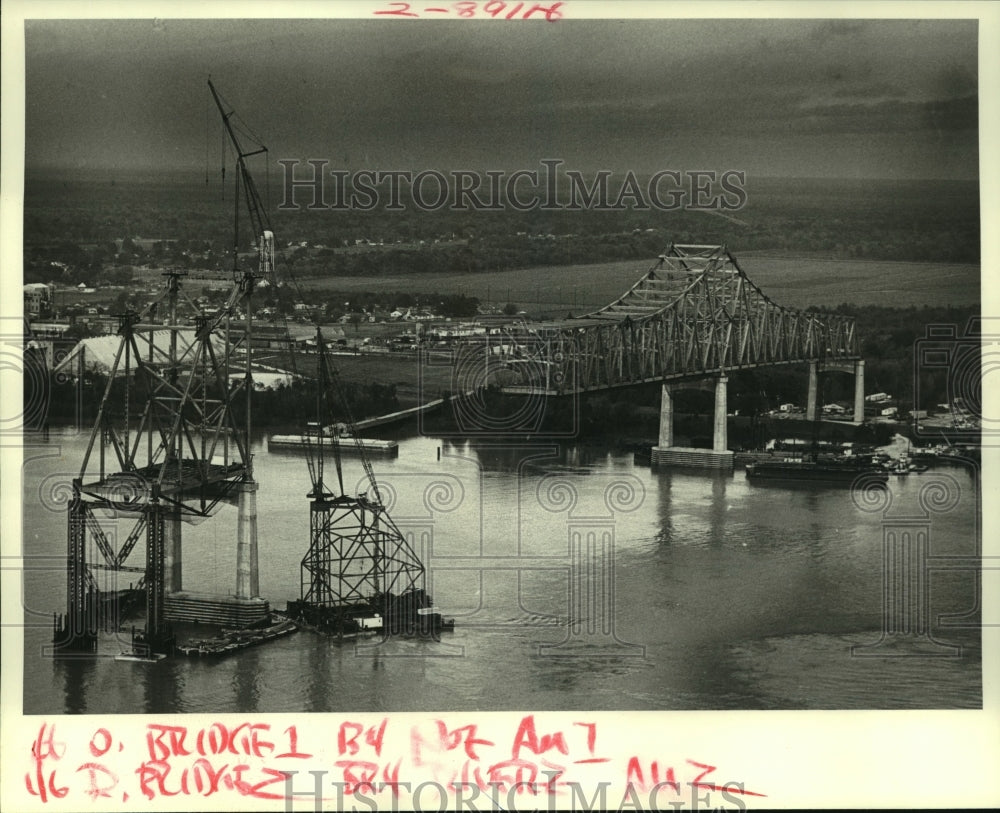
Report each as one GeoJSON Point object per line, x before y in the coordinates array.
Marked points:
{"type": "Point", "coordinates": [259, 221]}
{"type": "Point", "coordinates": [167, 447]}
{"type": "Point", "coordinates": [359, 572]}
{"type": "Point", "coordinates": [263, 236]}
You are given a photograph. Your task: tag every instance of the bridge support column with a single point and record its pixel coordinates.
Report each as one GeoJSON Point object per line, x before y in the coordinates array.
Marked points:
{"type": "Point", "coordinates": [859, 391]}
{"type": "Point", "coordinates": [719, 437]}
{"type": "Point", "coordinates": [247, 573]}
{"type": "Point", "coordinates": [666, 453]}
{"type": "Point", "coordinates": [813, 391]}
{"type": "Point", "coordinates": [666, 416]}
{"type": "Point", "coordinates": [244, 609]}
{"type": "Point", "coordinates": [172, 553]}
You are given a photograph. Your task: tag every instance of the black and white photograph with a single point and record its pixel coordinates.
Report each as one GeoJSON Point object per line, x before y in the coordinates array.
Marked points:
{"type": "Point", "coordinates": [491, 357]}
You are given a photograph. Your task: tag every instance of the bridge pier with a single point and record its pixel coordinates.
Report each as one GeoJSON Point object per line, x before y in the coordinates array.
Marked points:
{"type": "Point", "coordinates": [243, 609]}
{"type": "Point", "coordinates": [666, 437]}
{"type": "Point", "coordinates": [173, 560]}
{"type": "Point", "coordinates": [247, 572]}
{"type": "Point", "coordinates": [813, 390]}
{"type": "Point", "coordinates": [666, 453]}
{"type": "Point", "coordinates": [719, 438]}
{"type": "Point", "coordinates": [859, 391]}
{"type": "Point", "coordinates": [855, 368]}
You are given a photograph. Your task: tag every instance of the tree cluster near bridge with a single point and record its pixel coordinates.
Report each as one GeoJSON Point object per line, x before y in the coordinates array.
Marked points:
{"type": "Point", "coordinates": [93, 226]}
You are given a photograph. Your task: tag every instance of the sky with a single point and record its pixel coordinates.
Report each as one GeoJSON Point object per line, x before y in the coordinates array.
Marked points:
{"type": "Point", "coordinates": [794, 98]}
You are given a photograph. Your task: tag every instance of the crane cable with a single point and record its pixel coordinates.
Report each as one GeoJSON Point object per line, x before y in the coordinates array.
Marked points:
{"type": "Point", "coordinates": [337, 385]}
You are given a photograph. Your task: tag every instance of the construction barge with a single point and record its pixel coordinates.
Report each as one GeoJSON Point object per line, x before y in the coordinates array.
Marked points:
{"type": "Point", "coordinates": [230, 641]}
{"type": "Point", "coordinates": [408, 614]}
{"type": "Point", "coordinates": [343, 443]}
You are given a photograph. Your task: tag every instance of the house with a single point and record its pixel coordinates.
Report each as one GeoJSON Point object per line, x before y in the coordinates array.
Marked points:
{"type": "Point", "coordinates": [834, 409]}
{"type": "Point", "coordinates": [37, 297]}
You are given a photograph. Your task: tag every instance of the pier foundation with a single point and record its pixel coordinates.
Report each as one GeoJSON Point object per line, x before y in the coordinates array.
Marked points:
{"type": "Point", "coordinates": [665, 453]}
{"type": "Point", "coordinates": [246, 607]}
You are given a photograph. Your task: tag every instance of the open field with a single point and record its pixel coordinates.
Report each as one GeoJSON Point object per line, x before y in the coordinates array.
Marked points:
{"type": "Point", "coordinates": [415, 383]}
{"type": "Point", "coordinates": [790, 281]}
{"type": "Point", "coordinates": [556, 290]}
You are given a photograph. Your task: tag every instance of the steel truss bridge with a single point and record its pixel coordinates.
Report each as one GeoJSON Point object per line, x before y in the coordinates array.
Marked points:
{"type": "Point", "coordinates": [694, 314]}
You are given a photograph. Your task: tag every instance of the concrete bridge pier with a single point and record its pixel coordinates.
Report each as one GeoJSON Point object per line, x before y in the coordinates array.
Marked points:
{"type": "Point", "coordinates": [665, 453]}
{"type": "Point", "coordinates": [666, 416]}
{"type": "Point", "coordinates": [855, 368]}
{"type": "Point", "coordinates": [247, 571]}
{"type": "Point", "coordinates": [243, 609]}
{"type": "Point", "coordinates": [720, 439]}
{"type": "Point", "coordinates": [813, 391]}
{"type": "Point", "coordinates": [859, 391]}
{"type": "Point", "coordinates": [173, 559]}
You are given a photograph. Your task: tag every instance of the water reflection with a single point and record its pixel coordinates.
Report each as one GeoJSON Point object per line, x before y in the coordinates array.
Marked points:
{"type": "Point", "coordinates": [734, 595]}
{"type": "Point", "coordinates": [246, 675]}
{"type": "Point", "coordinates": [318, 683]}
{"type": "Point", "coordinates": [77, 675]}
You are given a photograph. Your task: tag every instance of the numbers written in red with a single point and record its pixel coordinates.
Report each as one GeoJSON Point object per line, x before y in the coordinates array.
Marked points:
{"type": "Point", "coordinates": [497, 9]}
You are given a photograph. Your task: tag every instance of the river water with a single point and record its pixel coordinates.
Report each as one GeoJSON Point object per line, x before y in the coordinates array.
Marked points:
{"type": "Point", "coordinates": [578, 579]}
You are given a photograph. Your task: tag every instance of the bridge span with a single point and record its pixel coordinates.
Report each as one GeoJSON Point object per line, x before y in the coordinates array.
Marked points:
{"type": "Point", "coordinates": [693, 317]}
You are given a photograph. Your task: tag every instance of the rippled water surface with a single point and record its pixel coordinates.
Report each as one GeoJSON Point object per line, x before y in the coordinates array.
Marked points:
{"type": "Point", "coordinates": [578, 580]}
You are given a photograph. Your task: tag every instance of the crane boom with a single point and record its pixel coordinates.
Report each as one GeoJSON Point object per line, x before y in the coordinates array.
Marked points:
{"type": "Point", "coordinates": [259, 221]}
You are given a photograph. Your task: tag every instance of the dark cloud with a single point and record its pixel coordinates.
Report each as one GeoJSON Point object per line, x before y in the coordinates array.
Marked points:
{"type": "Point", "coordinates": [132, 93]}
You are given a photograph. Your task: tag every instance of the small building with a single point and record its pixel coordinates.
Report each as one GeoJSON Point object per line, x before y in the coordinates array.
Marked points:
{"type": "Point", "coordinates": [49, 330]}
{"type": "Point", "coordinates": [834, 409]}
{"type": "Point", "coordinates": [37, 297]}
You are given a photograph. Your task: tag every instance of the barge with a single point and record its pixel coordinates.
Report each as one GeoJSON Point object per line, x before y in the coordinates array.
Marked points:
{"type": "Point", "coordinates": [407, 614]}
{"type": "Point", "coordinates": [342, 443]}
{"type": "Point", "coordinates": [833, 472]}
{"type": "Point", "coordinates": [235, 640]}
